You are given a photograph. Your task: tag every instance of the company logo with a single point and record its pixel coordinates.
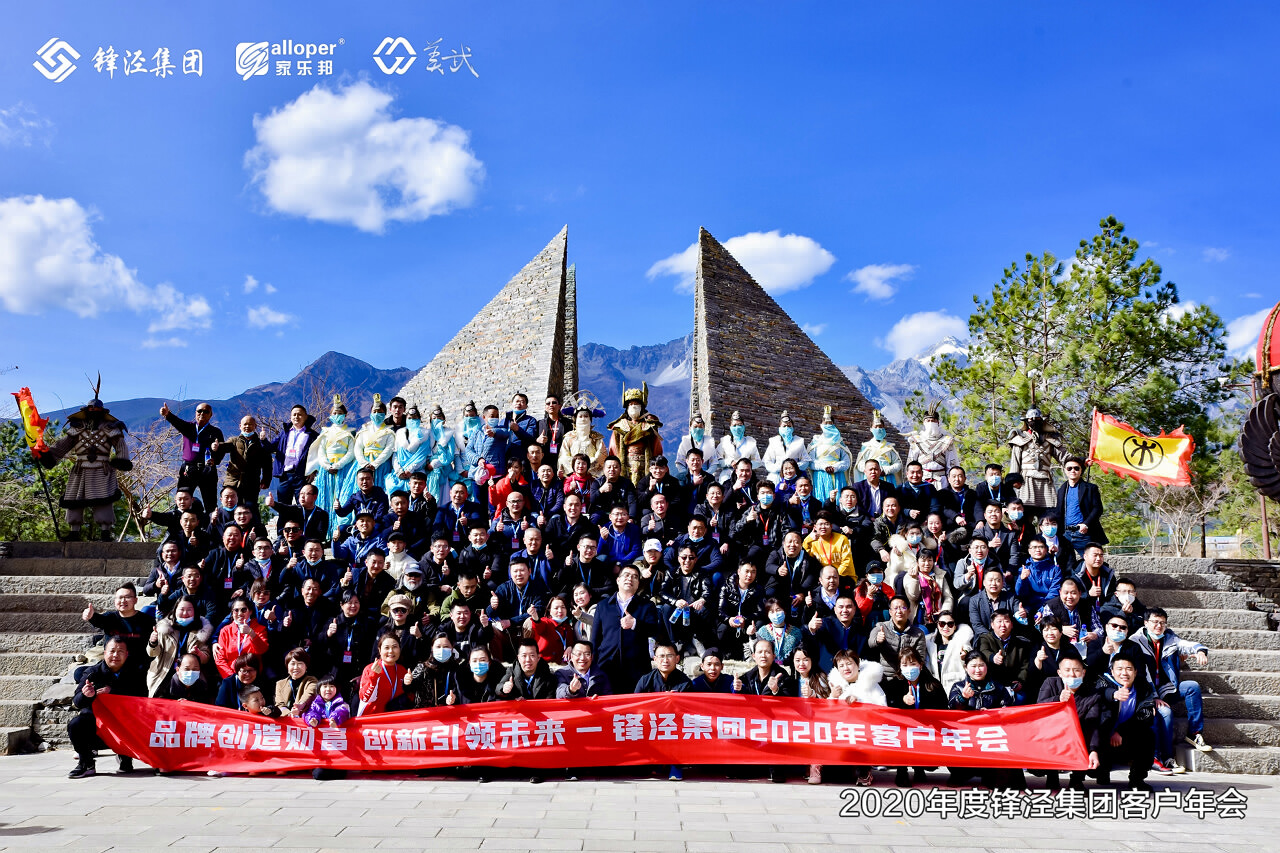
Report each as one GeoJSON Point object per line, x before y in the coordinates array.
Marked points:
{"type": "Point", "coordinates": [389, 47]}
{"type": "Point", "coordinates": [252, 58]}
{"type": "Point", "coordinates": [53, 63]}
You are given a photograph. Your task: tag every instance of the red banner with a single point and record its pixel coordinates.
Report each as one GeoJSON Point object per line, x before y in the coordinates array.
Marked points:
{"type": "Point", "coordinates": [665, 728]}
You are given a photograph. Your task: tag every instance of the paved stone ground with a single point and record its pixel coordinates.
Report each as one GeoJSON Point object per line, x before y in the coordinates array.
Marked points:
{"type": "Point", "coordinates": [41, 808]}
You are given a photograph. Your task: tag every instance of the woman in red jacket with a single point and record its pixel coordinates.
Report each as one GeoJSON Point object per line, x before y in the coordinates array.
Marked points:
{"type": "Point", "coordinates": [383, 682]}
{"type": "Point", "coordinates": [241, 636]}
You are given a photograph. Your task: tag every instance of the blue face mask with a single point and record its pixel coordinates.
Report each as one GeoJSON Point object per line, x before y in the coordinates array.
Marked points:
{"type": "Point", "coordinates": [738, 431]}
{"type": "Point", "coordinates": [876, 579]}
{"type": "Point", "coordinates": [378, 418]}
{"type": "Point", "coordinates": [766, 499]}
{"type": "Point", "coordinates": [994, 481]}
{"type": "Point", "coordinates": [786, 433]}
{"type": "Point", "coordinates": [1073, 683]}
{"type": "Point", "coordinates": [480, 546]}
{"type": "Point", "coordinates": [1156, 636]}
{"type": "Point", "coordinates": [878, 433]}
{"type": "Point", "coordinates": [495, 422]}
{"type": "Point", "coordinates": [337, 420]}
{"type": "Point", "coordinates": [480, 668]}
{"type": "Point", "coordinates": [1016, 514]}
{"type": "Point", "coordinates": [1050, 531]}
{"type": "Point", "coordinates": [517, 413]}
{"type": "Point", "coordinates": [470, 423]}
{"type": "Point", "coordinates": [1022, 620]}
{"type": "Point", "coordinates": [560, 620]}
{"type": "Point", "coordinates": [913, 539]}
{"type": "Point", "coordinates": [244, 434]}
{"type": "Point", "coordinates": [911, 673]}
{"type": "Point", "coordinates": [186, 622]}
{"type": "Point", "coordinates": [695, 539]}
{"type": "Point", "coordinates": [413, 423]}
{"type": "Point", "coordinates": [1117, 636]}
{"type": "Point", "coordinates": [442, 654]}
{"type": "Point", "coordinates": [777, 617]}
{"type": "Point", "coordinates": [189, 677]}
{"type": "Point", "coordinates": [696, 435]}
{"type": "Point", "coordinates": [830, 431]}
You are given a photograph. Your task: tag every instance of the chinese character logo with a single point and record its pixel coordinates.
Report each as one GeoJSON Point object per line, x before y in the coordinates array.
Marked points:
{"type": "Point", "coordinates": [53, 62]}
{"type": "Point", "coordinates": [252, 59]}
{"type": "Point", "coordinates": [388, 47]}
{"type": "Point", "coordinates": [1142, 453]}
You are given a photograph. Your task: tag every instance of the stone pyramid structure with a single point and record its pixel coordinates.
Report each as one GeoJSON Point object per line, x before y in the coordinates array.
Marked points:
{"type": "Point", "coordinates": [525, 339]}
{"type": "Point", "coordinates": [749, 355]}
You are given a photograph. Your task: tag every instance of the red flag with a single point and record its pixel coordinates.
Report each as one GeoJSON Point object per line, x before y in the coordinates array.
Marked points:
{"type": "Point", "coordinates": [1119, 448]}
{"type": "Point", "coordinates": [32, 424]}
{"type": "Point", "coordinates": [663, 728]}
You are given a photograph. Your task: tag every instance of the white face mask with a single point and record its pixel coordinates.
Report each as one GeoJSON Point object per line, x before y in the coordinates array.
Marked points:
{"type": "Point", "coordinates": [932, 429]}
{"type": "Point", "coordinates": [1125, 597]}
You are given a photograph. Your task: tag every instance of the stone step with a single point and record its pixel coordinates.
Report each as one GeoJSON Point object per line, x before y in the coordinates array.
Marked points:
{"type": "Point", "coordinates": [1238, 660]}
{"type": "Point", "coordinates": [1252, 760]}
{"type": "Point", "coordinates": [1243, 706]}
{"type": "Point", "coordinates": [27, 566]}
{"type": "Point", "coordinates": [105, 585]}
{"type": "Point", "coordinates": [1187, 617]}
{"type": "Point", "coordinates": [1259, 683]}
{"type": "Point", "coordinates": [1231, 638]}
{"type": "Point", "coordinates": [14, 739]}
{"type": "Point", "coordinates": [1156, 580]}
{"type": "Point", "coordinates": [16, 713]}
{"type": "Point", "coordinates": [35, 603]}
{"type": "Point", "coordinates": [39, 623]}
{"type": "Point", "coordinates": [34, 663]}
{"type": "Point", "coordinates": [1123, 565]}
{"type": "Point", "coordinates": [50, 643]}
{"type": "Point", "coordinates": [99, 550]}
{"type": "Point", "coordinates": [1232, 732]}
{"type": "Point", "coordinates": [1180, 598]}
{"type": "Point", "coordinates": [25, 686]}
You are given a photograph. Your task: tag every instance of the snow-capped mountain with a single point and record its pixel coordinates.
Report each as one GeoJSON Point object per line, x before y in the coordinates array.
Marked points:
{"type": "Point", "coordinates": [604, 370]}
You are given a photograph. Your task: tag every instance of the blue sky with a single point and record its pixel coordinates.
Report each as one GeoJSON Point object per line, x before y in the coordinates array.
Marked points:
{"type": "Point", "coordinates": [903, 153]}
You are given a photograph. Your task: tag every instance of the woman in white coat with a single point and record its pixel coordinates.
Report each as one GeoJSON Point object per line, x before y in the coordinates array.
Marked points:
{"type": "Point", "coordinates": [947, 645]}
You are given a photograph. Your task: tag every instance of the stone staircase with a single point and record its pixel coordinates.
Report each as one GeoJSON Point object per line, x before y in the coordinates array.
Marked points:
{"type": "Point", "coordinates": [44, 587]}
{"type": "Point", "coordinates": [1228, 606]}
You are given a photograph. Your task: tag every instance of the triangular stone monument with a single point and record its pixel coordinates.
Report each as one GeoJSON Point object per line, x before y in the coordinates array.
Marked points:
{"type": "Point", "coordinates": [749, 355]}
{"type": "Point", "coordinates": [518, 342]}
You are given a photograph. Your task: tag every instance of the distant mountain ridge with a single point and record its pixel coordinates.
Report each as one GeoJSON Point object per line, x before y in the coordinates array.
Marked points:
{"type": "Point", "coordinates": [603, 370]}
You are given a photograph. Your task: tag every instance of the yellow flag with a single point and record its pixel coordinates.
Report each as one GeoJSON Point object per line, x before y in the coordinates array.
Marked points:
{"type": "Point", "coordinates": [1119, 448]}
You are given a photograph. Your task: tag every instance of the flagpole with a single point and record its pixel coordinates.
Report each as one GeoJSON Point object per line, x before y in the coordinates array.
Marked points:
{"type": "Point", "coordinates": [57, 531]}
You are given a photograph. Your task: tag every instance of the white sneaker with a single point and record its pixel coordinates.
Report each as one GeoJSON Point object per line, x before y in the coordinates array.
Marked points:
{"type": "Point", "coordinates": [1174, 767]}
{"type": "Point", "coordinates": [1197, 741]}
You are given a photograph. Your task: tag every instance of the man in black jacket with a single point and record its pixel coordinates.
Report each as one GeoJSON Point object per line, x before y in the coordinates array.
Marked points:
{"type": "Point", "coordinates": [1080, 504]}
{"type": "Point", "coordinates": [109, 675]}
{"type": "Point", "coordinates": [198, 470]}
{"type": "Point", "coordinates": [1128, 711]}
{"type": "Point", "coordinates": [249, 467]}
{"type": "Point", "coordinates": [612, 490]}
{"type": "Point", "coordinates": [1070, 685]}
{"type": "Point", "coordinates": [917, 497]}
{"type": "Point", "coordinates": [552, 428]}
{"type": "Point", "coordinates": [289, 454]}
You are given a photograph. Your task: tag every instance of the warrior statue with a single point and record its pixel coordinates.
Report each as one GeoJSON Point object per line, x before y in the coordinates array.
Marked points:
{"type": "Point", "coordinates": [584, 439]}
{"type": "Point", "coordinates": [700, 437]}
{"type": "Point", "coordinates": [330, 460]}
{"type": "Point", "coordinates": [375, 442]}
{"type": "Point", "coordinates": [784, 446]}
{"type": "Point", "coordinates": [830, 458]}
{"type": "Point", "coordinates": [933, 448]}
{"type": "Point", "coordinates": [96, 440]}
{"type": "Point", "coordinates": [880, 450]}
{"type": "Point", "coordinates": [636, 439]}
{"type": "Point", "coordinates": [737, 445]}
{"type": "Point", "coordinates": [1035, 451]}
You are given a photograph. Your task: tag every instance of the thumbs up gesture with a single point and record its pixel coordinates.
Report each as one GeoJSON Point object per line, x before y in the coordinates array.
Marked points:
{"type": "Point", "coordinates": [164, 410]}
{"type": "Point", "coordinates": [737, 684]}
{"type": "Point", "coordinates": [507, 687]}
{"type": "Point", "coordinates": [815, 624]}
{"type": "Point", "coordinates": [451, 698]}
{"type": "Point", "coordinates": [881, 636]}
{"type": "Point", "coordinates": [628, 622]}
{"type": "Point", "coordinates": [1041, 656]}
{"type": "Point", "coordinates": [774, 680]}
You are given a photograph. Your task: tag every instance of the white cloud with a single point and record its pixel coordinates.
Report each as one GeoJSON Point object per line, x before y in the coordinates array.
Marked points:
{"type": "Point", "coordinates": [264, 316]}
{"type": "Point", "coordinates": [21, 125]}
{"type": "Point", "coordinates": [340, 157]}
{"type": "Point", "coordinates": [1253, 295]}
{"type": "Point", "coordinates": [1242, 333]}
{"type": "Point", "coordinates": [269, 288]}
{"type": "Point", "coordinates": [778, 262]}
{"type": "Point", "coordinates": [1180, 309]}
{"type": "Point", "coordinates": [1215, 256]}
{"type": "Point", "coordinates": [876, 281]}
{"type": "Point", "coordinates": [156, 343]}
{"type": "Point", "coordinates": [916, 333]}
{"type": "Point", "coordinates": [250, 284]}
{"type": "Point", "coordinates": [49, 260]}
{"type": "Point", "coordinates": [814, 329]}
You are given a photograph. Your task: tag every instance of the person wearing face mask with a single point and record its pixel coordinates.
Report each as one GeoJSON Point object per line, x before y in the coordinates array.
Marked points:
{"type": "Point", "coordinates": [412, 449]}
{"type": "Point", "coordinates": [249, 462]}
{"type": "Point", "coordinates": [332, 461]}
{"type": "Point", "coordinates": [785, 446]}
{"type": "Point", "coordinates": [698, 437]}
{"type": "Point", "coordinates": [478, 681]}
{"type": "Point", "coordinates": [994, 488]}
{"type": "Point", "coordinates": [441, 466]}
{"type": "Point", "coordinates": [180, 633]}
{"type": "Point", "coordinates": [1035, 449]}
{"type": "Point", "coordinates": [1113, 641]}
{"type": "Point", "coordinates": [905, 549]}
{"type": "Point", "coordinates": [873, 594]}
{"type": "Point", "coordinates": [759, 530]}
{"type": "Point", "coordinates": [933, 448]}
{"type": "Point", "coordinates": [424, 600]}
{"type": "Point", "coordinates": [583, 440]}
{"type": "Point", "coordinates": [879, 449]}
{"type": "Point", "coordinates": [189, 683]}
{"type": "Point", "coordinates": [915, 690]}
{"type": "Point", "coordinates": [1070, 685]}
{"type": "Point", "coordinates": [1061, 551]}
{"type": "Point", "coordinates": [829, 459]}
{"type": "Point", "coordinates": [735, 445]}
{"type": "Point", "coordinates": [433, 683]}
{"type": "Point", "coordinates": [522, 426]}
{"type": "Point", "coordinates": [1162, 655]}
{"type": "Point", "coordinates": [375, 444]}
{"type": "Point", "coordinates": [486, 455]}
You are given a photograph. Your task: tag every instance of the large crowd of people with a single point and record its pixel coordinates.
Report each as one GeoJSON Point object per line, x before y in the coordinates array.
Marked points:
{"type": "Point", "coordinates": [412, 565]}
